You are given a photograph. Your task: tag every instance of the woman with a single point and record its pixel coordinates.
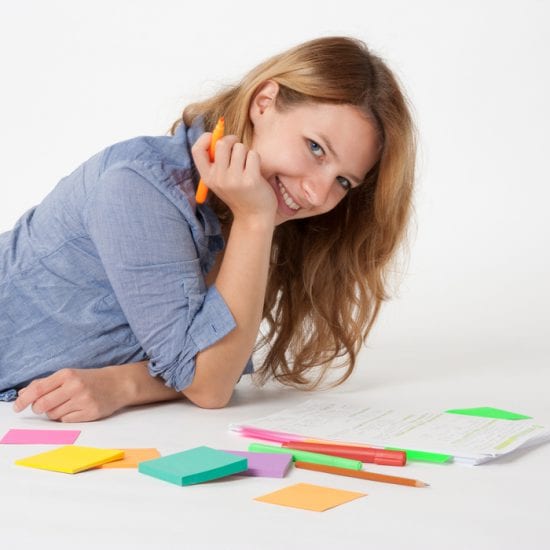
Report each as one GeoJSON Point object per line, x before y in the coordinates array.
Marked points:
{"type": "Point", "coordinates": [118, 289]}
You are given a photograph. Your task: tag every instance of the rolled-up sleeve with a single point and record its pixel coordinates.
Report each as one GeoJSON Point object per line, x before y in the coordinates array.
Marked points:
{"type": "Point", "coordinates": [147, 249]}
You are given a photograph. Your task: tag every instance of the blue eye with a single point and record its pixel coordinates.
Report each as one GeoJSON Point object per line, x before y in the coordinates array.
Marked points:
{"type": "Point", "coordinates": [315, 148]}
{"type": "Point", "coordinates": [345, 183]}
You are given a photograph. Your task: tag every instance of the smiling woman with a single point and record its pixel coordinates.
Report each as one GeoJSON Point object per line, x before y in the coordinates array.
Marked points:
{"type": "Point", "coordinates": [119, 289]}
{"type": "Point", "coordinates": [340, 151]}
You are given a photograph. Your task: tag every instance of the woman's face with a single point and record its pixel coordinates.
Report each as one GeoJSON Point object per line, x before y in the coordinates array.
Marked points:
{"type": "Point", "coordinates": [311, 154]}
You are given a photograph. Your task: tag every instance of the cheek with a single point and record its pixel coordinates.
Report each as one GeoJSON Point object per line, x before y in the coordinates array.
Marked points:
{"type": "Point", "coordinates": [333, 200]}
{"type": "Point", "coordinates": [280, 156]}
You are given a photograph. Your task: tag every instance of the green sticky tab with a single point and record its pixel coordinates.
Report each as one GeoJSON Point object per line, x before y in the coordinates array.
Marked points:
{"type": "Point", "coordinates": [194, 466]}
{"type": "Point", "coordinates": [489, 412]}
{"type": "Point", "coordinates": [423, 456]}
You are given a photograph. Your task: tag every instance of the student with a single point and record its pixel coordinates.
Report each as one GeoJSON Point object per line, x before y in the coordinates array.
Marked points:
{"type": "Point", "coordinates": [118, 289]}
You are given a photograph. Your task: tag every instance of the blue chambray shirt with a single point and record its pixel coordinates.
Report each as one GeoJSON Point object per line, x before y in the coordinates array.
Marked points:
{"type": "Point", "coordinates": [109, 269]}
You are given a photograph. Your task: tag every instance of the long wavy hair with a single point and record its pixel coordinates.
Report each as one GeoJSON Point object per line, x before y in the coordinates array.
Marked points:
{"type": "Point", "coordinates": [328, 274]}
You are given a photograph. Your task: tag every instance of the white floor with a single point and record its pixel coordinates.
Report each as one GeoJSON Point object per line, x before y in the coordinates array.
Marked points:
{"type": "Point", "coordinates": [500, 505]}
{"type": "Point", "coordinates": [470, 327]}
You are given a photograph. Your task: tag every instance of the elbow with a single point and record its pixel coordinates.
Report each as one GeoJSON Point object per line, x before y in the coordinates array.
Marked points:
{"type": "Point", "coordinates": [207, 400]}
{"type": "Point", "coordinates": [213, 402]}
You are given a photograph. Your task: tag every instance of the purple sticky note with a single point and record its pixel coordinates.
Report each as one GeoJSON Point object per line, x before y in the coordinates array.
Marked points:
{"type": "Point", "coordinates": [265, 464]}
{"type": "Point", "coordinates": [40, 437]}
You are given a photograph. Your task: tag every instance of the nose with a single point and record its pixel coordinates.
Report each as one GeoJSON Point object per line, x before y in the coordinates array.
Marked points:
{"type": "Point", "coordinates": [316, 189]}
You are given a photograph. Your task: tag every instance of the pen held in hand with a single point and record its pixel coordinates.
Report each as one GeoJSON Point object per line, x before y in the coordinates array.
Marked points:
{"type": "Point", "coordinates": [371, 476]}
{"type": "Point", "coordinates": [202, 190]}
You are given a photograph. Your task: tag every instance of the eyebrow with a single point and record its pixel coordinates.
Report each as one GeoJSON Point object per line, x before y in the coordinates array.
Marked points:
{"type": "Point", "coordinates": [357, 180]}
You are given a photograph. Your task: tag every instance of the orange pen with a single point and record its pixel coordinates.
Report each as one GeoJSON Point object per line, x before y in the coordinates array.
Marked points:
{"type": "Point", "coordinates": [202, 190]}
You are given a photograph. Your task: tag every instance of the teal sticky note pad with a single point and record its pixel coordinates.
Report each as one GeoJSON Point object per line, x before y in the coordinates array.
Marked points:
{"type": "Point", "coordinates": [489, 412]}
{"type": "Point", "coordinates": [194, 466]}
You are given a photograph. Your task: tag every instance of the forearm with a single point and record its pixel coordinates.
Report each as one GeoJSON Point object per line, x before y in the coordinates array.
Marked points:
{"type": "Point", "coordinates": [241, 281]}
{"type": "Point", "coordinates": [81, 395]}
{"type": "Point", "coordinates": [137, 387]}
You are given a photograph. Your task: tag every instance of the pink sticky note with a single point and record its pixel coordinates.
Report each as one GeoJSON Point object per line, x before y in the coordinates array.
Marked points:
{"type": "Point", "coordinates": [40, 437]}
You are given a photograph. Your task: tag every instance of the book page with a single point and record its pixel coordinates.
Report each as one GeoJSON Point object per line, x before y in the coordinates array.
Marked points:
{"type": "Point", "coordinates": [460, 435]}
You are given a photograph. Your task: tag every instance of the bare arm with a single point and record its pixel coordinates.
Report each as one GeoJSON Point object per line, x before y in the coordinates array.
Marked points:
{"type": "Point", "coordinates": [235, 177]}
{"type": "Point", "coordinates": [80, 395]}
{"type": "Point", "coordinates": [242, 283]}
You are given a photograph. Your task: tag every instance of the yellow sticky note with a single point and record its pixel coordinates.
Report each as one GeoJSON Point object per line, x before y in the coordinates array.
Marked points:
{"type": "Point", "coordinates": [70, 459]}
{"type": "Point", "coordinates": [310, 497]}
{"type": "Point", "coordinates": [132, 457]}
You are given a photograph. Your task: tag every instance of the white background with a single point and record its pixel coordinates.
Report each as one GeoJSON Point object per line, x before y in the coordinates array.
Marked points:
{"type": "Point", "coordinates": [469, 323]}
{"type": "Point", "coordinates": [78, 76]}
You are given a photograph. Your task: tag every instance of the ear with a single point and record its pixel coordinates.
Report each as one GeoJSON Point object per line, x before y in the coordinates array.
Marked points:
{"type": "Point", "coordinates": [263, 99]}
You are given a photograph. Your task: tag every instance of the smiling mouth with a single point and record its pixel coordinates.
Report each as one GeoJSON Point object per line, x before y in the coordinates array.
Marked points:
{"type": "Point", "coordinates": [286, 197]}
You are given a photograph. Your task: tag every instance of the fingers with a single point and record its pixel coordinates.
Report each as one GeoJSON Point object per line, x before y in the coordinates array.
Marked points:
{"type": "Point", "coordinates": [237, 162]}
{"type": "Point", "coordinates": [200, 152]}
{"type": "Point", "coordinates": [76, 416]}
{"type": "Point", "coordinates": [72, 395]}
{"type": "Point", "coordinates": [68, 409]}
{"type": "Point", "coordinates": [253, 164]}
{"type": "Point", "coordinates": [53, 404]}
{"type": "Point", "coordinates": [36, 390]}
{"type": "Point", "coordinates": [223, 154]}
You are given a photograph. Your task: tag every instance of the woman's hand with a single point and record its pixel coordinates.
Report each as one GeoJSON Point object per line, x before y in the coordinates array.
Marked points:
{"type": "Point", "coordinates": [74, 395]}
{"type": "Point", "coordinates": [235, 177]}
{"type": "Point", "coordinates": [81, 395]}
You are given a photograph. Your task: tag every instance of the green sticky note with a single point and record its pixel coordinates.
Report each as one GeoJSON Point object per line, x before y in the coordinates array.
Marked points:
{"type": "Point", "coordinates": [194, 466]}
{"type": "Point", "coordinates": [489, 412]}
{"type": "Point", "coordinates": [423, 456]}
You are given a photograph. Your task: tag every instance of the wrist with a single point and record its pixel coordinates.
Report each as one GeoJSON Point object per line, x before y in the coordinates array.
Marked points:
{"type": "Point", "coordinates": [124, 386]}
{"type": "Point", "coordinates": [135, 386]}
{"type": "Point", "coordinates": [254, 223]}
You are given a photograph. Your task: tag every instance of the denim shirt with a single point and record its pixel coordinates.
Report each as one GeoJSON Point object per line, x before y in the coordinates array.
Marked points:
{"type": "Point", "coordinates": [110, 267]}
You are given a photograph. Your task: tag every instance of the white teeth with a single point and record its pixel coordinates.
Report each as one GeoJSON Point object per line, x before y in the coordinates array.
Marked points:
{"type": "Point", "coordinates": [286, 197]}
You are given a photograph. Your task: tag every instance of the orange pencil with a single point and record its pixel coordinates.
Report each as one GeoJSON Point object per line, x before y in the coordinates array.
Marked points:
{"type": "Point", "coordinates": [371, 476]}
{"type": "Point", "coordinates": [202, 190]}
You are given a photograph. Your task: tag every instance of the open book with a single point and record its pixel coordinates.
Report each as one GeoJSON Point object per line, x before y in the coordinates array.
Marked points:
{"type": "Point", "coordinates": [469, 439]}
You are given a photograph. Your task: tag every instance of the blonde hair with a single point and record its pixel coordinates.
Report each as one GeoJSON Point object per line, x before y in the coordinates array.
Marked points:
{"type": "Point", "coordinates": [328, 274]}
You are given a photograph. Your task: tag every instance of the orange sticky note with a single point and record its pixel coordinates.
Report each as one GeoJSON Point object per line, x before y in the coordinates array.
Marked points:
{"type": "Point", "coordinates": [132, 457]}
{"type": "Point", "coordinates": [71, 459]}
{"type": "Point", "coordinates": [310, 497]}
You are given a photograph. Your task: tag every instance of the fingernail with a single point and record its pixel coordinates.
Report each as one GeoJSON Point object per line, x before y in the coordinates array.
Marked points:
{"type": "Point", "coordinates": [16, 407]}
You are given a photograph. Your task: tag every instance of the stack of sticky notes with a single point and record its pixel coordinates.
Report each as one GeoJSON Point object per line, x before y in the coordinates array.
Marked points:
{"type": "Point", "coordinates": [265, 464]}
{"type": "Point", "coordinates": [71, 459]}
{"type": "Point", "coordinates": [192, 466]}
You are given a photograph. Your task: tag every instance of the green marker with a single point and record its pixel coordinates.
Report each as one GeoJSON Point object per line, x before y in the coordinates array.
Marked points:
{"type": "Point", "coordinates": [423, 456]}
{"type": "Point", "coordinates": [306, 456]}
